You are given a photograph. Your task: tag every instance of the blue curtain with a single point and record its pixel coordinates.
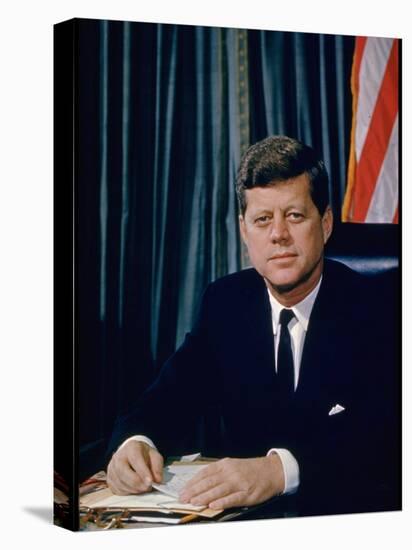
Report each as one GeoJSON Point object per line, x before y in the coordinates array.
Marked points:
{"type": "Point", "coordinates": [164, 113]}
{"type": "Point", "coordinates": [301, 88]}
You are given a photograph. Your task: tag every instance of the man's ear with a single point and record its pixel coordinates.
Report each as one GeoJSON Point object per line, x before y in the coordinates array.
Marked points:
{"type": "Point", "coordinates": [242, 228]}
{"type": "Point", "coordinates": [327, 224]}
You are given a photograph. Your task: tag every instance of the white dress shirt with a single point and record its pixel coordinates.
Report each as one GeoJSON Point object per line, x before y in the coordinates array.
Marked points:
{"type": "Point", "coordinates": [297, 328]}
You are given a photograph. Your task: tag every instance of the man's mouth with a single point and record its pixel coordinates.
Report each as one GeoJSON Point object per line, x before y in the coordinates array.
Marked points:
{"type": "Point", "coordinates": [283, 256]}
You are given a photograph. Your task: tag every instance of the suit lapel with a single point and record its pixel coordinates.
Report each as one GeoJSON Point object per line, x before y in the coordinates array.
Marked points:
{"type": "Point", "coordinates": [319, 358]}
{"type": "Point", "coordinates": [324, 357]}
{"type": "Point", "coordinates": [258, 333]}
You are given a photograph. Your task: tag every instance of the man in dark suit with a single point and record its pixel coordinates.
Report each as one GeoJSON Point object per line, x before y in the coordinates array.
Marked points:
{"type": "Point", "coordinates": [296, 359]}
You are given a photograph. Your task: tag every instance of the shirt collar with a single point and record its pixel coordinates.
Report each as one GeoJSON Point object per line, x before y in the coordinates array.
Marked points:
{"type": "Point", "coordinates": [302, 310]}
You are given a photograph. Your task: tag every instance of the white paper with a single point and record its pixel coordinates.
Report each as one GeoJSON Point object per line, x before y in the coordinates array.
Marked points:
{"type": "Point", "coordinates": [190, 458]}
{"type": "Point", "coordinates": [175, 478]}
{"type": "Point", "coordinates": [146, 519]}
{"type": "Point", "coordinates": [146, 500]}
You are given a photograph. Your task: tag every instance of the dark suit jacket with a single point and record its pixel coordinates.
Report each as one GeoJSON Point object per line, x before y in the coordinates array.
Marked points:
{"type": "Point", "coordinates": [223, 378]}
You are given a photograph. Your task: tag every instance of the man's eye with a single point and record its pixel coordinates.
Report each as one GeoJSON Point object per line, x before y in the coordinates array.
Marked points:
{"type": "Point", "coordinates": [262, 219]}
{"type": "Point", "coordinates": [295, 216]}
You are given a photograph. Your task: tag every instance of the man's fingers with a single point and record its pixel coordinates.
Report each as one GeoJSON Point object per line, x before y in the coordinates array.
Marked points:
{"type": "Point", "coordinates": [156, 465]}
{"type": "Point", "coordinates": [125, 478]}
{"type": "Point", "coordinates": [131, 479]}
{"type": "Point", "coordinates": [138, 462]}
{"type": "Point", "coordinates": [128, 471]}
{"type": "Point", "coordinates": [228, 501]}
{"type": "Point", "coordinates": [191, 489]}
{"type": "Point", "coordinates": [215, 493]}
{"type": "Point", "coordinates": [116, 485]}
{"type": "Point", "coordinates": [204, 474]}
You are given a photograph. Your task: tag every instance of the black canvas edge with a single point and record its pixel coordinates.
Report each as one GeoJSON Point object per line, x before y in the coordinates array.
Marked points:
{"type": "Point", "coordinates": [400, 276]}
{"type": "Point", "coordinates": [65, 421]}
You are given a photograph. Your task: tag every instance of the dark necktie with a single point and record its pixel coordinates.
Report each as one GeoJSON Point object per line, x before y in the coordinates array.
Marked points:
{"type": "Point", "coordinates": [285, 370]}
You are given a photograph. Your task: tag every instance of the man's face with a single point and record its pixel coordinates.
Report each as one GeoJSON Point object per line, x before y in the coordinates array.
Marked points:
{"type": "Point", "coordinates": [285, 235]}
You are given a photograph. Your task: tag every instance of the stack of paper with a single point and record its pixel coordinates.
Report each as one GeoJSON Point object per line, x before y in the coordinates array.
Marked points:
{"type": "Point", "coordinates": [162, 501]}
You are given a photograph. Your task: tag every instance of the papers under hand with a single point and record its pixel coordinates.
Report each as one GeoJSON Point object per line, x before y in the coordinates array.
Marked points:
{"type": "Point", "coordinates": [163, 500]}
{"type": "Point", "coordinates": [165, 497]}
{"type": "Point", "coordinates": [149, 501]}
{"type": "Point", "coordinates": [175, 478]}
{"type": "Point", "coordinates": [190, 458]}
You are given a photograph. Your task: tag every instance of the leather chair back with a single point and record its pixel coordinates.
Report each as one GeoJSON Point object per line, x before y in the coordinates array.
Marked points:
{"type": "Point", "coordinates": [367, 248]}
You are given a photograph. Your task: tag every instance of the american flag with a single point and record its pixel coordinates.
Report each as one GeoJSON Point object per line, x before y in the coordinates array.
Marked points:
{"type": "Point", "coordinates": [373, 172]}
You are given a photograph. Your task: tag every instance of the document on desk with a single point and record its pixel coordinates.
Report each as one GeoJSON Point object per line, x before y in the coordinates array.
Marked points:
{"type": "Point", "coordinates": [163, 498]}
{"type": "Point", "coordinates": [175, 478]}
{"type": "Point", "coordinates": [152, 501]}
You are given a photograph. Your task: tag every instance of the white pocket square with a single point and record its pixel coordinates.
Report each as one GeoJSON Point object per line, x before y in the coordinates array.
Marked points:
{"type": "Point", "coordinates": [336, 409]}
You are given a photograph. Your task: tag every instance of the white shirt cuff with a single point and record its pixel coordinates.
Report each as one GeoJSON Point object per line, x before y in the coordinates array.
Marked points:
{"type": "Point", "coordinates": [290, 470]}
{"type": "Point", "coordinates": [142, 438]}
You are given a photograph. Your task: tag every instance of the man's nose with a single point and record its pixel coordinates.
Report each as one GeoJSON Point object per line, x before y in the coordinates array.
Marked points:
{"type": "Point", "coordinates": [279, 231]}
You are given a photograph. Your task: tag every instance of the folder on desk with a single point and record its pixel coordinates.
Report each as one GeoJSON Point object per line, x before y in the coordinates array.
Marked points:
{"type": "Point", "coordinates": [160, 505]}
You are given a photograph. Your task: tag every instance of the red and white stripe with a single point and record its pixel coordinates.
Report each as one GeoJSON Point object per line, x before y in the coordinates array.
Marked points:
{"type": "Point", "coordinates": [373, 175]}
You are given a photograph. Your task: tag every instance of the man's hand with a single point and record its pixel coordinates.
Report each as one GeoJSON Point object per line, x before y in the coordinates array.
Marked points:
{"type": "Point", "coordinates": [133, 468]}
{"type": "Point", "coordinates": [236, 482]}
